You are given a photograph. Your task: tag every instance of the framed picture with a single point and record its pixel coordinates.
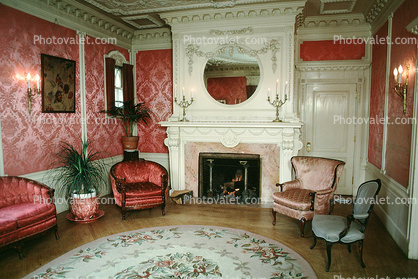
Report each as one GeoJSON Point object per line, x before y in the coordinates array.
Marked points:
{"type": "Point", "coordinates": [58, 84]}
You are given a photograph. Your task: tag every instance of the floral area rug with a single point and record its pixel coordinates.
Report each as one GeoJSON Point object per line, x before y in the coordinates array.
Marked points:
{"type": "Point", "coordinates": [179, 252]}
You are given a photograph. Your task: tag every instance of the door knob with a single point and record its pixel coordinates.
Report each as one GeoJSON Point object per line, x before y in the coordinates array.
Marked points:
{"type": "Point", "coordinates": [308, 146]}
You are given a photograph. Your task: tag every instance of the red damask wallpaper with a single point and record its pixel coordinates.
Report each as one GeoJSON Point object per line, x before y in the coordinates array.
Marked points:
{"type": "Point", "coordinates": [154, 83]}
{"type": "Point", "coordinates": [228, 88]}
{"type": "Point", "coordinates": [104, 132]}
{"type": "Point", "coordinates": [330, 50]}
{"type": "Point", "coordinates": [29, 139]}
{"type": "Point", "coordinates": [377, 99]}
{"type": "Point", "coordinates": [399, 135]}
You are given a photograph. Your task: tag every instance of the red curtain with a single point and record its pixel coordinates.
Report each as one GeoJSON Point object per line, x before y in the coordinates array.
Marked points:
{"type": "Point", "coordinates": [128, 82]}
{"type": "Point", "coordinates": [110, 82]}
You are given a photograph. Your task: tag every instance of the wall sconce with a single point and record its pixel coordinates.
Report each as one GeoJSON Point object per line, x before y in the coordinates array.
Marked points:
{"type": "Point", "coordinates": [399, 87]}
{"type": "Point", "coordinates": [32, 94]}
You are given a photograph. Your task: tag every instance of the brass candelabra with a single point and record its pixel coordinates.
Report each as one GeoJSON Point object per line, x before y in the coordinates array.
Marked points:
{"type": "Point", "coordinates": [32, 94]}
{"type": "Point", "coordinates": [184, 104]}
{"type": "Point", "coordinates": [277, 103]}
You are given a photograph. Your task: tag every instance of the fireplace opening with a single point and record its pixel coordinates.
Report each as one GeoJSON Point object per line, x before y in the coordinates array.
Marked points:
{"type": "Point", "coordinates": [230, 176]}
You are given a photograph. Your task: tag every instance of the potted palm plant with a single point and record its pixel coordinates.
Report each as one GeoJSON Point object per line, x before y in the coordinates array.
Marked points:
{"type": "Point", "coordinates": [79, 175]}
{"type": "Point", "coordinates": [129, 114]}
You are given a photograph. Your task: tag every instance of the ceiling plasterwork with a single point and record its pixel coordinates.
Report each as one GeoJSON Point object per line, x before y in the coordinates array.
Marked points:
{"type": "Point", "coordinates": [131, 7]}
{"type": "Point", "coordinates": [336, 6]}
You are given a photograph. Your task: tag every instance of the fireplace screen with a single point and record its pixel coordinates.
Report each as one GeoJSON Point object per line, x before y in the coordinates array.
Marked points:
{"type": "Point", "coordinates": [230, 176]}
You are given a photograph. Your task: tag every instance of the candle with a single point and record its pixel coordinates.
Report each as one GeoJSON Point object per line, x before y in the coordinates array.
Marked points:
{"type": "Point", "coordinates": [175, 90]}
{"type": "Point", "coordinates": [183, 92]}
{"type": "Point", "coordinates": [395, 73]}
{"type": "Point", "coordinates": [285, 90]}
{"type": "Point", "coordinates": [28, 79]}
{"type": "Point", "coordinates": [400, 70]}
{"type": "Point", "coordinates": [277, 88]}
{"type": "Point", "coordinates": [268, 93]}
{"type": "Point", "coordinates": [37, 81]}
{"type": "Point", "coordinates": [192, 93]}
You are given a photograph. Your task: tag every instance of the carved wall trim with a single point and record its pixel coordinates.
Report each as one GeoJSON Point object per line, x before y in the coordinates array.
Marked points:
{"type": "Point", "coordinates": [237, 12]}
{"type": "Point", "coordinates": [272, 45]}
{"type": "Point", "coordinates": [119, 57]}
{"type": "Point", "coordinates": [152, 39]}
{"type": "Point", "coordinates": [413, 26]}
{"type": "Point", "coordinates": [336, 67]}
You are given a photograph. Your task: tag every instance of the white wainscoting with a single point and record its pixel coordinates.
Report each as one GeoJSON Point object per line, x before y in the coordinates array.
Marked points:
{"type": "Point", "coordinates": [394, 211]}
{"type": "Point", "coordinates": [60, 202]}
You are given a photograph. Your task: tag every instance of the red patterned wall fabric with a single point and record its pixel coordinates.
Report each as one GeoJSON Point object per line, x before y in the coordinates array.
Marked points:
{"type": "Point", "coordinates": [330, 50]}
{"type": "Point", "coordinates": [29, 139]}
{"type": "Point", "coordinates": [104, 132]}
{"type": "Point", "coordinates": [399, 135]}
{"type": "Point", "coordinates": [154, 83]}
{"type": "Point", "coordinates": [230, 89]}
{"type": "Point", "coordinates": [377, 99]}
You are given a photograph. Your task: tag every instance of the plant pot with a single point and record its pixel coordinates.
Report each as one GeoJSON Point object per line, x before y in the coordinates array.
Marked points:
{"type": "Point", "coordinates": [130, 143]}
{"type": "Point", "coordinates": [84, 206]}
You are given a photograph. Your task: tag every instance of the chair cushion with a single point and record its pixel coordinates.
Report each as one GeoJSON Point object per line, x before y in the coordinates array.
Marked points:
{"type": "Point", "coordinates": [329, 228]}
{"type": "Point", "coordinates": [298, 199]}
{"type": "Point", "coordinates": [26, 214]}
{"type": "Point", "coordinates": [142, 190]}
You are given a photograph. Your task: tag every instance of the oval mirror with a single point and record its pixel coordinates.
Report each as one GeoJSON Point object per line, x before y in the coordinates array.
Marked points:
{"type": "Point", "coordinates": [231, 77]}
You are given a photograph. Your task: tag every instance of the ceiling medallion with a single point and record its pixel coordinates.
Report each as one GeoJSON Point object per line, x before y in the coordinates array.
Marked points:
{"type": "Point", "coordinates": [143, 21]}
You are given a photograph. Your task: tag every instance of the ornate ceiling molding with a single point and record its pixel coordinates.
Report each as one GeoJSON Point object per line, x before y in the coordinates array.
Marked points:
{"type": "Point", "coordinates": [380, 11]}
{"type": "Point", "coordinates": [239, 12]}
{"type": "Point", "coordinates": [336, 6]}
{"type": "Point", "coordinates": [413, 26]}
{"type": "Point", "coordinates": [152, 39]}
{"type": "Point", "coordinates": [117, 7]}
{"type": "Point", "coordinates": [375, 10]}
{"type": "Point", "coordinates": [76, 16]}
{"type": "Point", "coordinates": [153, 22]}
{"type": "Point", "coordinates": [334, 21]}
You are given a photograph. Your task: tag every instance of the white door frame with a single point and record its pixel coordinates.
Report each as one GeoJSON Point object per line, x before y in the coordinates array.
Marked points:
{"type": "Point", "coordinates": [346, 75]}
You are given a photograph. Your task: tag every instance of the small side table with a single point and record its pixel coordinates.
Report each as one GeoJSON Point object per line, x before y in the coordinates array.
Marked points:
{"type": "Point", "coordinates": [131, 156]}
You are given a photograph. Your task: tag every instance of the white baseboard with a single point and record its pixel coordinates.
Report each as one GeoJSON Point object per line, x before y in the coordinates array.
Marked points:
{"type": "Point", "coordinates": [393, 216]}
{"type": "Point", "coordinates": [60, 201]}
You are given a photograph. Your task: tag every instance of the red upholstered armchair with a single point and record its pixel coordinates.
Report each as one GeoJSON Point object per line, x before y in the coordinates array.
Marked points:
{"type": "Point", "coordinates": [311, 192]}
{"type": "Point", "coordinates": [138, 185]}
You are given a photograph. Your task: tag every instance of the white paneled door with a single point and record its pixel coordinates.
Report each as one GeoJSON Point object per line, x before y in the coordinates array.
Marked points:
{"type": "Point", "coordinates": [329, 127]}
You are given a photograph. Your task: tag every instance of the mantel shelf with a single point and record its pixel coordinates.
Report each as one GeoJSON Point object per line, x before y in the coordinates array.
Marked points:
{"type": "Point", "coordinates": [231, 124]}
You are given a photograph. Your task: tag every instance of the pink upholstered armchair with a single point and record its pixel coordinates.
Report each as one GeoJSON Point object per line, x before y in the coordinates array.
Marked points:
{"type": "Point", "coordinates": [311, 192]}
{"type": "Point", "coordinates": [139, 184]}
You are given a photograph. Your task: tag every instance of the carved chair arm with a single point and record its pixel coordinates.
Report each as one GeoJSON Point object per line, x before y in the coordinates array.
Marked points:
{"type": "Point", "coordinates": [289, 185]}
{"type": "Point", "coordinates": [350, 218]}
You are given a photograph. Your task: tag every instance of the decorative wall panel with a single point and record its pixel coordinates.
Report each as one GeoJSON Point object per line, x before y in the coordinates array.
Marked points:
{"type": "Point", "coordinates": [104, 132]}
{"type": "Point", "coordinates": [330, 50]}
{"type": "Point", "coordinates": [28, 140]}
{"type": "Point", "coordinates": [399, 135]}
{"type": "Point", "coordinates": [154, 83]}
{"type": "Point", "coordinates": [377, 99]}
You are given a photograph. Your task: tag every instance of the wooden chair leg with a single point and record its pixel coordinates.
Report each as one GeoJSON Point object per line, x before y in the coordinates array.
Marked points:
{"type": "Point", "coordinates": [123, 214]}
{"type": "Point", "coordinates": [163, 208]}
{"type": "Point", "coordinates": [315, 240]}
{"type": "Point", "coordinates": [19, 249]}
{"type": "Point", "coordinates": [274, 217]}
{"type": "Point", "coordinates": [302, 229]}
{"type": "Point", "coordinates": [57, 236]}
{"type": "Point", "coordinates": [360, 244]}
{"type": "Point", "coordinates": [329, 246]}
{"type": "Point", "coordinates": [349, 248]}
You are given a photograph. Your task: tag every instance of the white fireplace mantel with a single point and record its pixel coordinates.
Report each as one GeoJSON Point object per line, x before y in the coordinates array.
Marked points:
{"type": "Point", "coordinates": [230, 134]}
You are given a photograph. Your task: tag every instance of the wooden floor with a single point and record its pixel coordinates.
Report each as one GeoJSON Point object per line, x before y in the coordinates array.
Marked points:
{"type": "Point", "coordinates": [381, 255]}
